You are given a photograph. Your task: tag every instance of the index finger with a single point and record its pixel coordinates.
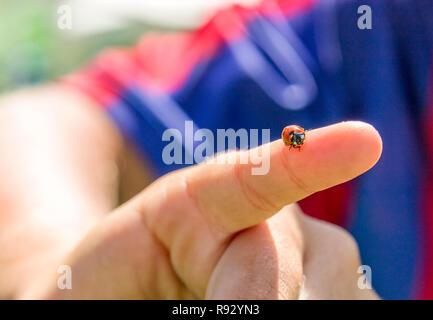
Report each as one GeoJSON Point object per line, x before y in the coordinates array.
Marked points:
{"type": "Point", "coordinates": [231, 196]}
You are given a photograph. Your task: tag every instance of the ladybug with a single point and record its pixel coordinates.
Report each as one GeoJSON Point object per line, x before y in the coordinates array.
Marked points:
{"type": "Point", "coordinates": [293, 136]}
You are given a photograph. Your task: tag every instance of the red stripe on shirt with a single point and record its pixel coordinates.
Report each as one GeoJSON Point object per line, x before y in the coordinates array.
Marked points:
{"type": "Point", "coordinates": [163, 62]}
{"type": "Point", "coordinates": [424, 283]}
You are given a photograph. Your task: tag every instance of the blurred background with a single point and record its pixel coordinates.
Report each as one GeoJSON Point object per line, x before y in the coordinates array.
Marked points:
{"type": "Point", "coordinates": [33, 48]}
{"type": "Point", "coordinates": [318, 69]}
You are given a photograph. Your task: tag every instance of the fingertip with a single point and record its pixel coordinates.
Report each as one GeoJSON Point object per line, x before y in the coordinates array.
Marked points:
{"type": "Point", "coordinates": [367, 136]}
{"type": "Point", "coordinates": [335, 154]}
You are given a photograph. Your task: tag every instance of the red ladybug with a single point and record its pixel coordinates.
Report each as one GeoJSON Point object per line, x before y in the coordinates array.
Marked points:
{"type": "Point", "coordinates": [293, 136]}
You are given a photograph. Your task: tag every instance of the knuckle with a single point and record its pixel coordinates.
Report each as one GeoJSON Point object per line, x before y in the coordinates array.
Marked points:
{"type": "Point", "coordinates": [334, 240]}
{"type": "Point", "coordinates": [190, 193]}
{"type": "Point", "coordinates": [255, 198]}
{"type": "Point", "coordinates": [298, 182]}
{"type": "Point", "coordinates": [347, 250]}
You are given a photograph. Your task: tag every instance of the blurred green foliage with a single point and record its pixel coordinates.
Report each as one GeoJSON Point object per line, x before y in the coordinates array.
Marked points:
{"type": "Point", "coordinates": [33, 49]}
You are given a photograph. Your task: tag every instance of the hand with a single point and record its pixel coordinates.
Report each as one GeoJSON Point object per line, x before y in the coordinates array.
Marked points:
{"type": "Point", "coordinates": [216, 231]}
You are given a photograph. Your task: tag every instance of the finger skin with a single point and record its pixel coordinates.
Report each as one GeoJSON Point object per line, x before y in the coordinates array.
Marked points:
{"type": "Point", "coordinates": [236, 199]}
{"type": "Point", "coordinates": [290, 256]}
{"type": "Point", "coordinates": [331, 263]}
{"type": "Point", "coordinates": [195, 212]}
{"type": "Point", "coordinates": [262, 262]}
{"type": "Point", "coordinates": [192, 217]}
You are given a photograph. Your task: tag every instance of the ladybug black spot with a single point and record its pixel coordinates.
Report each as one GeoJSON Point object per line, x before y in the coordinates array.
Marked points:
{"type": "Point", "coordinates": [297, 138]}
